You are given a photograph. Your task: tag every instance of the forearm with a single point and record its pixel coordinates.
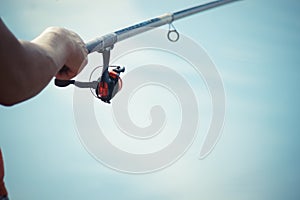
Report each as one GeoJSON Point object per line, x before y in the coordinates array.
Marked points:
{"type": "Point", "coordinates": [44, 57]}
{"type": "Point", "coordinates": [40, 64]}
{"type": "Point", "coordinates": [27, 67]}
{"type": "Point", "coordinates": [30, 67]}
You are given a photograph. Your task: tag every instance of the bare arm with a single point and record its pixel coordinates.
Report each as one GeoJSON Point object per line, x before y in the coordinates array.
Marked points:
{"type": "Point", "coordinates": [27, 67]}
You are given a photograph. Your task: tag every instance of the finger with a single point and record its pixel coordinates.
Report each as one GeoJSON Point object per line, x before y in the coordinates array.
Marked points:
{"type": "Point", "coordinates": [65, 73]}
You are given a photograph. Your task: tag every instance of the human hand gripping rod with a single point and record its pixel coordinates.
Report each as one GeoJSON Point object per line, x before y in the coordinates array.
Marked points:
{"type": "Point", "coordinates": [110, 82]}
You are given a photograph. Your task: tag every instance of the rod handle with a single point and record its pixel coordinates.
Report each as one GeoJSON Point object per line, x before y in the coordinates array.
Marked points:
{"type": "Point", "coordinates": [63, 83]}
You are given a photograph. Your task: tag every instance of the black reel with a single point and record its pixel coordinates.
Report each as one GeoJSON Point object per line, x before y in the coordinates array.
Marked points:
{"type": "Point", "coordinates": [109, 84]}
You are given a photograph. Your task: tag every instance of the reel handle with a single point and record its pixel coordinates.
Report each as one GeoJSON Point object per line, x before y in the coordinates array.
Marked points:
{"type": "Point", "coordinates": [119, 69]}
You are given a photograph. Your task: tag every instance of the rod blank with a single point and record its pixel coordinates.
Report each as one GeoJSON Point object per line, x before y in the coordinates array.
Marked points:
{"type": "Point", "coordinates": [101, 43]}
{"type": "Point", "coordinates": [200, 8]}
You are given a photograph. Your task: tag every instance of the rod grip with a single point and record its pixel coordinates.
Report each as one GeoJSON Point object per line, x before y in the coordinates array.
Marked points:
{"type": "Point", "coordinates": [63, 83]}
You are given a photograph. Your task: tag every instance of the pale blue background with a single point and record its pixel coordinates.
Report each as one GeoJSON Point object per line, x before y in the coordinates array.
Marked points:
{"type": "Point", "coordinates": [254, 44]}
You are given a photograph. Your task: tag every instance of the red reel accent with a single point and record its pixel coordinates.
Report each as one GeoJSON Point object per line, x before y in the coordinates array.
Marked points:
{"type": "Point", "coordinates": [113, 75]}
{"type": "Point", "coordinates": [103, 89]}
{"type": "Point", "coordinates": [120, 82]}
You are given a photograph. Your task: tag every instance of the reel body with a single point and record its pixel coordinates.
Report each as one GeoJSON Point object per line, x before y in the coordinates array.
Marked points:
{"type": "Point", "coordinates": [110, 84]}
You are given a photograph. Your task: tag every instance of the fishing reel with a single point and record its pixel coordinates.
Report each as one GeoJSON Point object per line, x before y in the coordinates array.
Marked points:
{"type": "Point", "coordinates": [106, 86]}
{"type": "Point", "coordinates": [109, 84]}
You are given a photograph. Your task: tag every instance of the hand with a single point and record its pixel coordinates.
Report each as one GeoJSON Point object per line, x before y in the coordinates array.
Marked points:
{"type": "Point", "coordinates": [67, 48]}
{"type": "Point", "coordinates": [77, 57]}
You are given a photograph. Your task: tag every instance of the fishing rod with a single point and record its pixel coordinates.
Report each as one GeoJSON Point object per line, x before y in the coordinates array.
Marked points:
{"type": "Point", "coordinates": [109, 83]}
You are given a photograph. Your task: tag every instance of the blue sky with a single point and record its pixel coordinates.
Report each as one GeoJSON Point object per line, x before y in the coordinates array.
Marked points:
{"type": "Point", "coordinates": [255, 46]}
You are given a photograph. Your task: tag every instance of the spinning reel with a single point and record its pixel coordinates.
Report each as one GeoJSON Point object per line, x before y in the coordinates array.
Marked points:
{"type": "Point", "coordinates": [106, 86]}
